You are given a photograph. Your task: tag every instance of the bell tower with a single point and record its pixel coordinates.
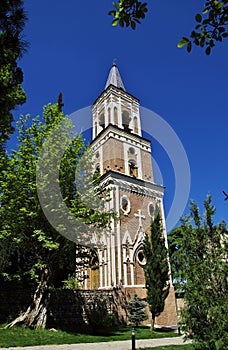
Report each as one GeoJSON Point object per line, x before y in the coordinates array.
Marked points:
{"type": "Point", "coordinates": [116, 122]}
{"type": "Point", "coordinates": [123, 158]}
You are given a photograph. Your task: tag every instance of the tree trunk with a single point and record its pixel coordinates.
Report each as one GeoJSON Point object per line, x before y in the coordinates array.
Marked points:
{"type": "Point", "coordinates": [36, 313]}
{"type": "Point", "coordinates": [152, 323]}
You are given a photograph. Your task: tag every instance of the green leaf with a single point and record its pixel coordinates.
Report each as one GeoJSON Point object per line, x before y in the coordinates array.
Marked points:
{"type": "Point", "coordinates": [212, 43]}
{"type": "Point", "coordinates": [219, 6]}
{"type": "Point", "coordinates": [196, 41]}
{"type": "Point", "coordinates": [208, 50]}
{"type": "Point", "coordinates": [194, 34]}
{"type": "Point", "coordinates": [198, 26]}
{"type": "Point", "coordinates": [121, 22]}
{"type": "Point", "coordinates": [112, 13]}
{"type": "Point", "coordinates": [189, 46]}
{"type": "Point", "coordinates": [202, 42]}
{"type": "Point", "coordinates": [115, 22]}
{"type": "Point", "coordinates": [198, 17]}
{"type": "Point", "coordinates": [115, 5]}
{"type": "Point", "coordinates": [221, 29]}
{"type": "Point", "coordinates": [137, 20]}
{"type": "Point", "coordinates": [205, 11]}
{"type": "Point", "coordinates": [182, 42]}
{"type": "Point", "coordinates": [133, 25]}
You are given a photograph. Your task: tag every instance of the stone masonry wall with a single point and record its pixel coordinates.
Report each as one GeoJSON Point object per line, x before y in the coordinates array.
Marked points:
{"type": "Point", "coordinates": [69, 309]}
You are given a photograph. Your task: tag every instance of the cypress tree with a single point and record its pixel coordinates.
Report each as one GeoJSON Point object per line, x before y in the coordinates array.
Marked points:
{"type": "Point", "coordinates": [156, 269]}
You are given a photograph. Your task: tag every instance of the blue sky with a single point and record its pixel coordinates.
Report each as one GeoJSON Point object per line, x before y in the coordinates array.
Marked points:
{"type": "Point", "coordinates": [72, 46]}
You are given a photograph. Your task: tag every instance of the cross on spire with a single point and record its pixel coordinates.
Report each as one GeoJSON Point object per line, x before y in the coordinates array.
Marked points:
{"type": "Point", "coordinates": [140, 217]}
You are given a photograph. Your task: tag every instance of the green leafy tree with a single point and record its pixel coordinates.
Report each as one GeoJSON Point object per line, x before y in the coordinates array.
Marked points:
{"type": "Point", "coordinates": [202, 255]}
{"type": "Point", "coordinates": [156, 269]}
{"type": "Point", "coordinates": [135, 310]}
{"type": "Point", "coordinates": [175, 239]}
{"type": "Point", "coordinates": [128, 12]}
{"type": "Point", "coordinates": [32, 251]}
{"type": "Point", "coordinates": [12, 21]}
{"type": "Point", "coordinates": [211, 24]}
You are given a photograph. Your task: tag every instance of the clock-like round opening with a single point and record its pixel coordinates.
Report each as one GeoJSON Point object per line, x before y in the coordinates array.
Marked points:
{"type": "Point", "coordinates": [131, 150]}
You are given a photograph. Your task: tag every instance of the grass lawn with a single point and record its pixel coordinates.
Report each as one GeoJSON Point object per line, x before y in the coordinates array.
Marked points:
{"type": "Point", "coordinates": [19, 336]}
{"type": "Point", "coordinates": [171, 347]}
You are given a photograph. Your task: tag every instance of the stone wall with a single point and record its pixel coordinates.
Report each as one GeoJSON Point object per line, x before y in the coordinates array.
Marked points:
{"type": "Point", "coordinates": [67, 309]}
{"type": "Point", "coordinates": [71, 308]}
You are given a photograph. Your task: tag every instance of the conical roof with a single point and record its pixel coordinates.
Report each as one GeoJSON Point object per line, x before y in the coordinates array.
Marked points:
{"type": "Point", "coordinates": [114, 78]}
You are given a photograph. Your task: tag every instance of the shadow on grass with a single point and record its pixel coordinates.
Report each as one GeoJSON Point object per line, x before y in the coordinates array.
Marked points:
{"type": "Point", "coordinates": [124, 332]}
{"type": "Point", "coordinates": [105, 332]}
{"type": "Point", "coordinates": [20, 336]}
{"type": "Point", "coordinates": [165, 329]}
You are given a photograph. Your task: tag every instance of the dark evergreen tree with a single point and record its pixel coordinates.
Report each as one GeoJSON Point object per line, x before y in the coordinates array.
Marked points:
{"type": "Point", "coordinates": [156, 269]}
{"type": "Point", "coordinates": [12, 21]}
{"type": "Point", "coordinates": [135, 308]}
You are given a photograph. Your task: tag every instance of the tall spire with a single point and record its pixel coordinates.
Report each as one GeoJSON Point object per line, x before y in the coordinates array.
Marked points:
{"type": "Point", "coordinates": [114, 78]}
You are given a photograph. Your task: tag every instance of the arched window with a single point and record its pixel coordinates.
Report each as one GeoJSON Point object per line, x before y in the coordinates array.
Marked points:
{"type": "Point", "coordinates": [136, 128]}
{"type": "Point", "coordinates": [115, 116]}
{"type": "Point", "coordinates": [125, 205]}
{"type": "Point", "coordinates": [97, 168]}
{"type": "Point", "coordinates": [133, 169]}
{"type": "Point", "coordinates": [94, 272]}
{"type": "Point", "coordinates": [109, 116]}
{"type": "Point", "coordinates": [151, 209]}
{"type": "Point", "coordinates": [95, 129]}
{"type": "Point", "coordinates": [102, 120]}
{"type": "Point", "coordinates": [126, 120]}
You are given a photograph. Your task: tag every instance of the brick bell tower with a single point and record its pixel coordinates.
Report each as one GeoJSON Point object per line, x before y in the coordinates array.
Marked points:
{"type": "Point", "coordinates": [123, 158]}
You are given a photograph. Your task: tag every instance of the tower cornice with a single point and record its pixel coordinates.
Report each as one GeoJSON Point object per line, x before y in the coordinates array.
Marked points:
{"type": "Point", "coordinates": [132, 184]}
{"type": "Point", "coordinates": [120, 134]}
{"type": "Point", "coordinates": [113, 89]}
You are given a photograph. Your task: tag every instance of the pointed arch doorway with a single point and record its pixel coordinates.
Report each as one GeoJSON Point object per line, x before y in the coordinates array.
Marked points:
{"type": "Point", "coordinates": [94, 273]}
